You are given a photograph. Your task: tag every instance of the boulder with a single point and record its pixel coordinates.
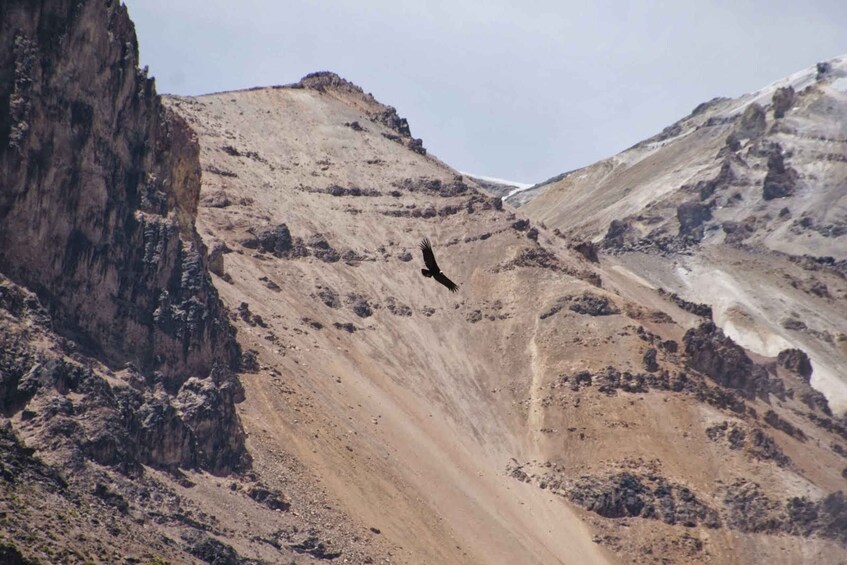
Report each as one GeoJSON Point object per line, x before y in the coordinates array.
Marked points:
{"type": "Point", "coordinates": [783, 100]}
{"type": "Point", "coordinates": [796, 361]}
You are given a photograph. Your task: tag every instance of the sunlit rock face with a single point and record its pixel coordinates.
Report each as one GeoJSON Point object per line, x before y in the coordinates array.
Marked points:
{"type": "Point", "coordinates": [100, 186]}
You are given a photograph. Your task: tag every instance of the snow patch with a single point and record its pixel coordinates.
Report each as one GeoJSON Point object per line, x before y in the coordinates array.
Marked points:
{"type": "Point", "coordinates": [736, 312]}
{"type": "Point", "coordinates": [840, 84]}
{"type": "Point", "coordinates": [518, 185]}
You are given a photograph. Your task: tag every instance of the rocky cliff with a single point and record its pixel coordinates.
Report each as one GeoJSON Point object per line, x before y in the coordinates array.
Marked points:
{"type": "Point", "coordinates": [117, 357]}
{"type": "Point", "coordinates": [100, 189]}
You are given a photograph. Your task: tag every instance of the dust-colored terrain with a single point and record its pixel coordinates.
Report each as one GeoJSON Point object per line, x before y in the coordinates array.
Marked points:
{"type": "Point", "coordinates": [293, 390]}
{"type": "Point", "coordinates": [447, 395]}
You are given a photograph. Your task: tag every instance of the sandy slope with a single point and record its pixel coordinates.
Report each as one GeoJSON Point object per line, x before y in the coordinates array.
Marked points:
{"type": "Point", "coordinates": [398, 419]}
{"type": "Point", "coordinates": [412, 421]}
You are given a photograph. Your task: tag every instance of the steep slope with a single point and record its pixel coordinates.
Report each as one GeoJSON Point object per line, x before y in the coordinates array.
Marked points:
{"type": "Point", "coordinates": [378, 387]}
{"type": "Point", "coordinates": [746, 196]}
{"type": "Point", "coordinates": [557, 410]}
{"type": "Point", "coordinates": [117, 358]}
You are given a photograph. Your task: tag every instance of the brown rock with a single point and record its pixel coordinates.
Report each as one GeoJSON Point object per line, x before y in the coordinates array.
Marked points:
{"type": "Point", "coordinates": [797, 361]}
{"type": "Point", "coordinates": [121, 263]}
{"type": "Point", "coordinates": [783, 100]}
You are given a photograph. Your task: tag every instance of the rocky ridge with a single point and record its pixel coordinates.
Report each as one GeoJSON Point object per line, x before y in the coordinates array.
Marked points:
{"type": "Point", "coordinates": [384, 419]}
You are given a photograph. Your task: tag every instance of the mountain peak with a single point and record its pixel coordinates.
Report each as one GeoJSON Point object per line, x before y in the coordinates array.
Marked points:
{"type": "Point", "coordinates": [327, 80]}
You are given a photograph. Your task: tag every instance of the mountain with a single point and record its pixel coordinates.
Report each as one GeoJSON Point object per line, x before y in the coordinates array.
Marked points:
{"type": "Point", "coordinates": [747, 199]}
{"type": "Point", "coordinates": [295, 390]}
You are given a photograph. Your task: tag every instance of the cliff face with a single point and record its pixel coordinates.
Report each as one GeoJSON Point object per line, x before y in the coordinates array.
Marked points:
{"type": "Point", "coordinates": [99, 186]}
{"type": "Point", "coordinates": [99, 192]}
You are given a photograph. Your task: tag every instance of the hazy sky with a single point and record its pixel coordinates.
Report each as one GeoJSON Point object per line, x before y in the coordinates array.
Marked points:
{"type": "Point", "coordinates": [521, 90]}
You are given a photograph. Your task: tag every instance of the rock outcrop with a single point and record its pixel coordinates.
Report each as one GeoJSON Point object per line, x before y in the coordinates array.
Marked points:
{"type": "Point", "coordinates": [781, 180]}
{"type": "Point", "coordinates": [115, 351]}
{"type": "Point", "coordinates": [715, 355]}
{"type": "Point", "coordinates": [692, 216]}
{"type": "Point", "coordinates": [752, 122]}
{"type": "Point", "coordinates": [796, 361]}
{"type": "Point", "coordinates": [783, 100]}
{"type": "Point", "coordinates": [100, 186]}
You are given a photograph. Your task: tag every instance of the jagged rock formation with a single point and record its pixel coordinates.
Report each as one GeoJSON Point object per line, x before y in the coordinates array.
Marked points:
{"type": "Point", "coordinates": [100, 189]}
{"type": "Point", "coordinates": [713, 354]}
{"type": "Point", "coordinates": [379, 414]}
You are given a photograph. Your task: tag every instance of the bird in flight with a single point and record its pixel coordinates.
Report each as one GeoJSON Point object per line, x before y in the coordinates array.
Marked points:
{"type": "Point", "coordinates": [432, 269]}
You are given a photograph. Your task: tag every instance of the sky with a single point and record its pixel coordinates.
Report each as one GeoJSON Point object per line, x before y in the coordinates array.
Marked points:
{"type": "Point", "coordinates": [520, 90]}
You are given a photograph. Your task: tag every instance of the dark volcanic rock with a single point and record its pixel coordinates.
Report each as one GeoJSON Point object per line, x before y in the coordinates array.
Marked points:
{"type": "Point", "coordinates": [752, 122]}
{"type": "Point", "coordinates": [588, 250]}
{"type": "Point", "coordinates": [275, 239]}
{"type": "Point", "coordinates": [706, 188]}
{"type": "Point", "coordinates": [273, 499]}
{"type": "Point", "coordinates": [316, 548]}
{"type": "Point", "coordinates": [783, 100]}
{"type": "Point", "coordinates": [397, 308]}
{"type": "Point", "coordinates": [456, 187]}
{"type": "Point", "coordinates": [737, 232]}
{"type": "Point", "coordinates": [649, 360]}
{"type": "Point", "coordinates": [218, 199]}
{"type": "Point", "coordinates": [692, 216]}
{"type": "Point", "coordinates": [780, 180]}
{"type": "Point", "coordinates": [610, 380]}
{"type": "Point", "coordinates": [593, 305]}
{"type": "Point", "coordinates": [619, 234]}
{"type": "Point", "coordinates": [322, 249]}
{"type": "Point", "coordinates": [360, 305]}
{"type": "Point", "coordinates": [329, 297]}
{"type": "Point", "coordinates": [717, 356]}
{"type": "Point", "coordinates": [749, 509]}
{"type": "Point", "coordinates": [797, 361]}
{"type": "Point", "coordinates": [209, 550]}
{"type": "Point", "coordinates": [756, 443]}
{"type": "Point", "coordinates": [733, 434]}
{"type": "Point", "coordinates": [780, 423]}
{"type": "Point", "coordinates": [650, 496]}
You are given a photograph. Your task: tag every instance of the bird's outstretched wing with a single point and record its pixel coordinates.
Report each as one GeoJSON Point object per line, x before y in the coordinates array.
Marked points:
{"type": "Point", "coordinates": [446, 282]}
{"type": "Point", "coordinates": [429, 257]}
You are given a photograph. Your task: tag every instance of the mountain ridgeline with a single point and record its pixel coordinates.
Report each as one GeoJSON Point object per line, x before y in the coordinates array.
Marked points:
{"type": "Point", "coordinates": [216, 345]}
